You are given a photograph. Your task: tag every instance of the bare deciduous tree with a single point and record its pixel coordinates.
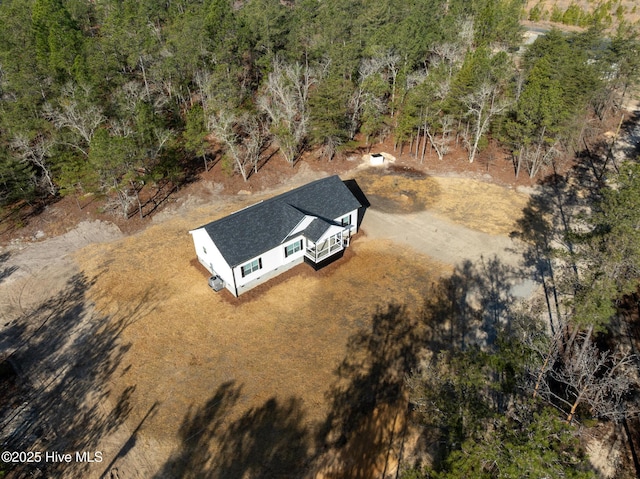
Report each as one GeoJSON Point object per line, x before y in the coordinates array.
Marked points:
{"type": "Point", "coordinates": [361, 97]}
{"type": "Point", "coordinates": [440, 144]}
{"type": "Point", "coordinates": [537, 155]}
{"type": "Point", "coordinates": [392, 63]}
{"type": "Point", "coordinates": [592, 378]}
{"type": "Point", "coordinates": [434, 120]}
{"type": "Point", "coordinates": [36, 152]}
{"type": "Point", "coordinates": [223, 126]}
{"type": "Point", "coordinates": [255, 140]}
{"type": "Point", "coordinates": [482, 105]}
{"type": "Point", "coordinates": [130, 94]}
{"type": "Point", "coordinates": [77, 114]}
{"type": "Point", "coordinates": [243, 137]}
{"type": "Point", "coordinates": [449, 53]}
{"type": "Point", "coordinates": [125, 196]}
{"type": "Point", "coordinates": [547, 351]}
{"type": "Point", "coordinates": [285, 102]}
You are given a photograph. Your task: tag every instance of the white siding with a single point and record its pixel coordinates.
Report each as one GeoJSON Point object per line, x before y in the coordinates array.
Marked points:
{"type": "Point", "coordinates": [212, 259]}
{"type": "Point", "coordinates": [354, 220]}
{"type": "Point", "coordinates": [272, 260]}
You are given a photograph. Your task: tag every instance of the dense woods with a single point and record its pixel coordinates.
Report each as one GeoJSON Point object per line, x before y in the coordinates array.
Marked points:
{"type": "Point", "coordinates": [109, 97]}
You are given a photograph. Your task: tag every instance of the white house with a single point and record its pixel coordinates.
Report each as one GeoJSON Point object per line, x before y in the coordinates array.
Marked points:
{"type": "Point", "coordinates": [312, 223]}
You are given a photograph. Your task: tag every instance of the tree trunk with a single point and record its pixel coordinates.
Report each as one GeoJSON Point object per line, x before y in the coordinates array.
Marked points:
{"type": "Point", "coordinates": [575, 405]}
{"type": "Point", "coordinates": [433, 144]}
{"type": "Point", "coordinates": [144, 77]}
{"type": "Point", "coordinates": [424, 144]}
{"type": "Point", "coordinates": [542, 372]}
{"type": "Point", "coordinates": [137, 198]}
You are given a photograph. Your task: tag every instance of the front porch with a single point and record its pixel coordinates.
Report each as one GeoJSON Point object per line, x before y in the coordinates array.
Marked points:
{"type": "Point", "coordinates": [321, 250]}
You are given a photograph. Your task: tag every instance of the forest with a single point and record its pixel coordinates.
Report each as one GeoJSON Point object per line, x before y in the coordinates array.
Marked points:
{"type": "Point", "coordinates": [106, 97]}
{"type": "Point", "coordinates": [109, 97]}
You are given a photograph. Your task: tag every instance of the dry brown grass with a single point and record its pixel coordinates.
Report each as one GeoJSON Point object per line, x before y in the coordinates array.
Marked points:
{"type": "Point", "coordinates": [285, 342]}
{"type": "Point", "coordinates": [478, 205]}
{"type": "Point", "coordinates": [286, 338]}
{"type": "Point", "coordinates": [475, 204]}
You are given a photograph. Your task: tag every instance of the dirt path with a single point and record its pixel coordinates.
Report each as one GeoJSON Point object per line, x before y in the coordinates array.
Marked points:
{"type": "Point", "coordinates": [448, 242]}
{"type": "Point", "coordinates": [31, 273]}
{"type": "Point", "coordinates": [439, 238]}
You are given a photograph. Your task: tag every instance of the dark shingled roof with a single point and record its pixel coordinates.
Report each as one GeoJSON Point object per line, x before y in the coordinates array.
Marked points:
{"type": "Point", "coordinates": [316, 229]}
{"type": "Point", "coordinates": [256, 229]}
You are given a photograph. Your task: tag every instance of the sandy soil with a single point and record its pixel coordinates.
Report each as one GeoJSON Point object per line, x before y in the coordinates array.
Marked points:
{"type": "Point", "coordinates": [32, 272]}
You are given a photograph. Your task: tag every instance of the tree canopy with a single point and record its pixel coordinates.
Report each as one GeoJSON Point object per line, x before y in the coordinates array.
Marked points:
{"type": "Point", "coordinates": [310, 74]}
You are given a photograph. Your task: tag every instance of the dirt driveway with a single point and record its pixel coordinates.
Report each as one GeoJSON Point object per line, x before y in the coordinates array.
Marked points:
{"type": "Point", "coordinates": [439, 238]}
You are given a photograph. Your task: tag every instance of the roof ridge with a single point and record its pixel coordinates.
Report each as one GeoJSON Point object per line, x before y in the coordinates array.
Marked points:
{"type": "Point", "coordinates": [261, 226]}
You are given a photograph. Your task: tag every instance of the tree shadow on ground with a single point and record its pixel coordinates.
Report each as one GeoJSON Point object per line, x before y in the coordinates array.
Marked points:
{"type": "Point", "coordinates": [6, 271]}
{"type": "Point", "coordinates": [275, 439]}
{"type": "Point", "coordinates": [363, 432]}
{"type": "Point", "coordinates": [194, 165]}
{"type": "Point", "coordinates": [469, 317]}
{"type": "Point", "coordinates": [471, 306]}
{"type": "Point", "coordinates": [64, 354]}
{"type": "Point", "coordinates": [631, 131]}
{"type": "Point", "coordinates": [268, 441]}
{"type": "Point", "coordinates": [554, 218]}
{"type": "Point", "coordinates": [546, 229]}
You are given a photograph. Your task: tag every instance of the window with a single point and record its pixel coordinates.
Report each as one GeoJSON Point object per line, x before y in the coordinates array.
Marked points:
{"type": "Point", "coordinates": [249, 268]}
{"type": "Point", "coordinates": [292, 248]}
{"type": "Point", "coordinates": [346, 220]}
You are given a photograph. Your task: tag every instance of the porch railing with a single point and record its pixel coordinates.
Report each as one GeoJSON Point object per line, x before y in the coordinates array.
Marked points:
{"type": "Point", "coordinates": [316, 255]}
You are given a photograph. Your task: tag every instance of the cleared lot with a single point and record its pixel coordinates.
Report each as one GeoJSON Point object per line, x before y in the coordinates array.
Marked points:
{"type": "Point", "coordinates": [284, 342]}
{"type": "Point", "coordinates": [285, 379]}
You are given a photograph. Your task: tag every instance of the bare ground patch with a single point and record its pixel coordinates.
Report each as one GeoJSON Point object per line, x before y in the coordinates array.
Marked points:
{"type": "Point", "coordinates": [479, 205]}
{"type": "Point", "coordinates": [476, 204]}
{"type": "Point", "coordinates": [398, 190]}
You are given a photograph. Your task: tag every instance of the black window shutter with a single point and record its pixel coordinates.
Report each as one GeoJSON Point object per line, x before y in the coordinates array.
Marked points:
{"type": "Point", "coordinates": [286, 252]}
{"type": "Point", "coordinates": [259, 263]}
{"type": "Point", "coordinates": [242, 271]}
